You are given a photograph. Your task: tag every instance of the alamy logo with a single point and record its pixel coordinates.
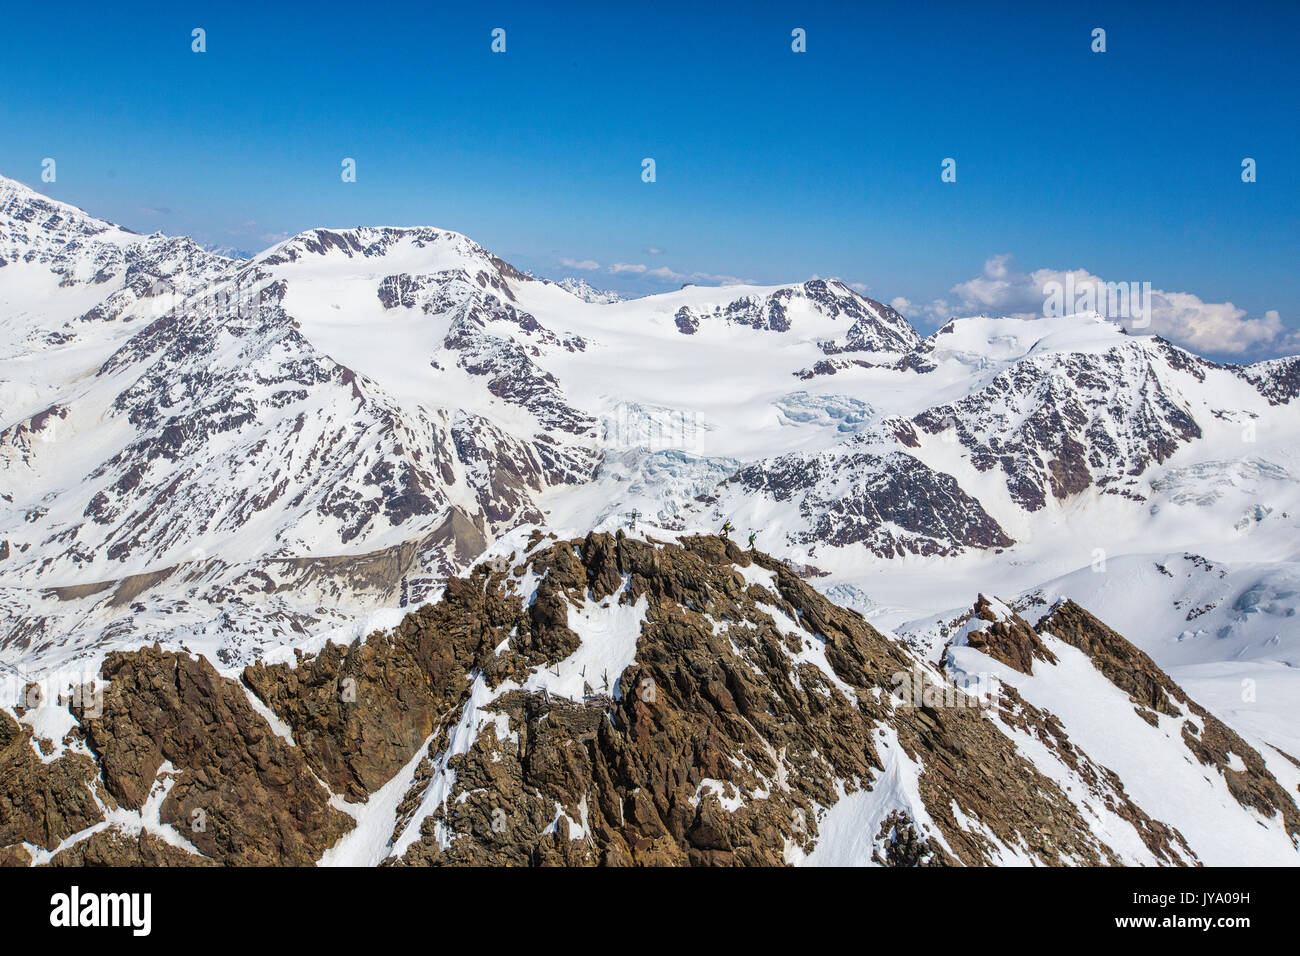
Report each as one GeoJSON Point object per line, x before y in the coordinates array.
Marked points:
{"type": "Point", "coordinates": [915, 688]}
{"type": "Point", "coordinates": [1130, 301]}
{"type": "Point", "coordinates": [655, 428]}
{"type": "Point", "coordinates": [164, 297]}
{"type": "Point", "coordinates": [56, 690]}
{"type": "Point", "coordinates": [74, 908]}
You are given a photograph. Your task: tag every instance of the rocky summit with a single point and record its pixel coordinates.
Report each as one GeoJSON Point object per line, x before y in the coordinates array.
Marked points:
{"type": "Point", "coordinates": [621, 700]}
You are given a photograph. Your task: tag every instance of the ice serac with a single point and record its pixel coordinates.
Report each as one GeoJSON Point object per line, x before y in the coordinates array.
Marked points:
{"type": "Point", "coordinates": [613, 700]}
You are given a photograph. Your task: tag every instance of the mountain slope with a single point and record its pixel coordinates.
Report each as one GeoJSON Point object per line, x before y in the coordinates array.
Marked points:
{"type": "Point", "coordinates": [346, 393]}
{"type": "Point", "coordinates": [236, 459]}
{"type": "Point", "coordinates": [611, 700]}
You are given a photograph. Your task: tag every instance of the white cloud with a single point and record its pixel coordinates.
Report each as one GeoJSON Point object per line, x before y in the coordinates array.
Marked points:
{"type": "Point", "coordinates": [666, 274]}
{"type": "Point", "coordinates": [1182, 317]}
{"type": "Point", "coordinates": [998, 289]}
{"type": "Point", "coordinates": [1217, 327]}
{"type": "Point", "coordinates": [586, 265]}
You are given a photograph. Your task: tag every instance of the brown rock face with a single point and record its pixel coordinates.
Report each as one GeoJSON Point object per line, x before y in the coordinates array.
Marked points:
{"type": "Point", "coordinates": [723, 739]}
{"type": "Point", "coordinates": [240, 794]}
{"type": "Point", "coordinates": [1013, 642]}
{"type": "Point", "coordinates": [41, 803]}
{"type": "Point", "coordinates": [114, 847]}
{"type": "Point", "coordinates": [360, 713]}
{"type": "Point", "coordinates": [750, 706]}
{"type": "Point", "coordinates": [15, 856]}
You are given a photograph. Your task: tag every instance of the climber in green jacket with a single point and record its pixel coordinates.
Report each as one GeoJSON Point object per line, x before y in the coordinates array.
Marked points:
{"type": "Point", "coordinates": [726, 527]}
{"type": "Point", "coordinates": [752, 536]}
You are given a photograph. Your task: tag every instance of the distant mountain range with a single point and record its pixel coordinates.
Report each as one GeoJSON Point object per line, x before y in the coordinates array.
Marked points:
{"type": "Point", "coordinates": [243, 456]}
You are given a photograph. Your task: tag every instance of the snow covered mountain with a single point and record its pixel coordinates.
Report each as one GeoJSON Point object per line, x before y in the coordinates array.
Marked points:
{"type": "Point", "coordinates": [586, 292]}
{"type": "Point", "coordinates": [352, 414]}
{"type": "Point", "coordinates": [244, 456]}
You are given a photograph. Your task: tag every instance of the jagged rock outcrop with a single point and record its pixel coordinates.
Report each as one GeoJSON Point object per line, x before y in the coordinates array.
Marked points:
{"type": "Point", "coordinates": [42, 803]}
{"type": "Point", "coordinates": [1278, 380]}
{"type": "Point", "coordinates": [869, 326]}
{"type": "Point", "coordinates": [1005, 638]}
{"type": "Point", "coordinates": [893, 503]}
{"type": "Point", "coordinates": [725, 740]}
{"type": "Point", "coordinates": [612, 700]}
{"type": "Point", "coordinates": [116, 847]}
{"type": "Point", "coordinates": [902, 845]}
{"type": "Point", "coordinates": [1061, 423]}
{"type": "Point", "coordinates": [238, 792]}
{"type": "Point", "coordinates": [360, 712]}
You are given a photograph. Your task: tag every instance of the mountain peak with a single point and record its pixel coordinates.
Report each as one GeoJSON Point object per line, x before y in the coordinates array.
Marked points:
{"type": "Point", "coordinates": [586, 291]}
{"type": "Point", "coordinates": [32, 223]}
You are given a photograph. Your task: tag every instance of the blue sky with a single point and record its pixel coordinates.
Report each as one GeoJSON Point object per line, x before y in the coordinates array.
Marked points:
{"type": "Point", "coordinates": [771, 166]}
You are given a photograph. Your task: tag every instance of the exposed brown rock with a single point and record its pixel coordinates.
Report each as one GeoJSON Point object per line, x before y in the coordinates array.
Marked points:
{"type": "Point", "coordinates": [42, 803]}
{"type": "Point", "coordinates": [360, 713]}
{"type": "Point", "coordinates": [15, 856]}
{"type": "Point", "coordinates": [240, 793]}
{"type": "Point", "coordinates": [722, 744]}
{"type": "Point", "coordinates": [114, 847]}
{"type": "Point", "coordinates": [715, 695]}
{"type": "Point", "coordinates": [1011, 641]}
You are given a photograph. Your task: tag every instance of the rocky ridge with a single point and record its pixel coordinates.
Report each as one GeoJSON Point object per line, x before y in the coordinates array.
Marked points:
{"type": "Point", "coordinates": [613, 700]}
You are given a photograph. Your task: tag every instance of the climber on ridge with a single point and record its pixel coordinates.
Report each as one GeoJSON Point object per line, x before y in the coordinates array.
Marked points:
{"type": "Point", "coordinates": [726, 527]}
{"type": "Point", "coordinates": [752, 536]}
